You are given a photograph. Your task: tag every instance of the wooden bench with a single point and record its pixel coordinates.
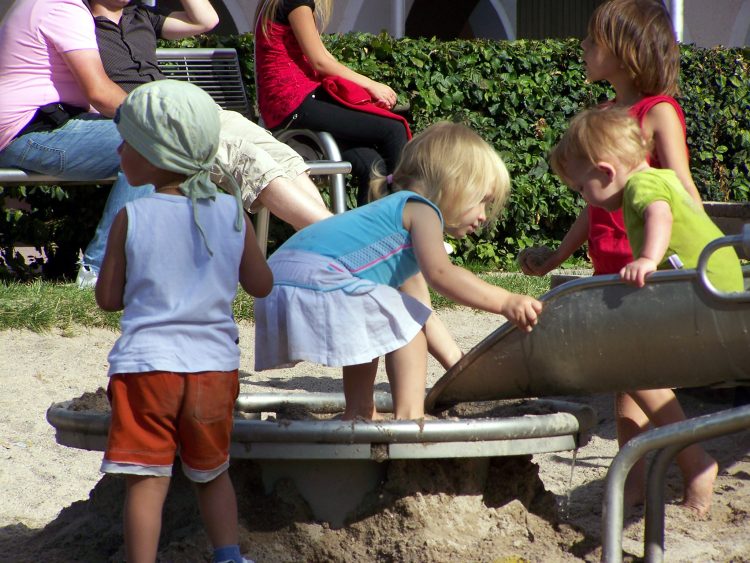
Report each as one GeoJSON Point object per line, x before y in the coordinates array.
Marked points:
{"type": "Point", "coordinates": [218, 72]}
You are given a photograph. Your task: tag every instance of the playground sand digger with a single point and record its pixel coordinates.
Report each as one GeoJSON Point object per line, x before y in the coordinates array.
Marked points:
{"type": "Point", "coordinates": [436, 494]}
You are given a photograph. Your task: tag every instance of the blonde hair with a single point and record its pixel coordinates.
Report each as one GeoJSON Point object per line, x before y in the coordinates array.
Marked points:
{"type": "Point", "coordinates": [266, 13]}
{"type": "Point", "coordinates": [453, 167]}
{"type": "Point", "coordinates": [640, 34]}
{"type": "Point", "coordinates": [599, 134]}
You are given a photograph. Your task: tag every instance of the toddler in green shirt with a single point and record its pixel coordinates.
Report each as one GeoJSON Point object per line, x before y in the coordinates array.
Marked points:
{"type": "Point", "coordinates": [602, 156]}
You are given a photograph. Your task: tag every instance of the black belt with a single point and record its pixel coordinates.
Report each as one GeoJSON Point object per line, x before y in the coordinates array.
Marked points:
{"type": "Point", "coordinates": [50, 117]}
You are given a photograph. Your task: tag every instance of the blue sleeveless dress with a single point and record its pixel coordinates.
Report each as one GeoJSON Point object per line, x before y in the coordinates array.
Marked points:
{"type": "Point", "coordinates": [335, 299]}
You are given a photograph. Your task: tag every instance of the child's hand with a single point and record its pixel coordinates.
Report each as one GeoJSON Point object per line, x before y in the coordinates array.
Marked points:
{"type": "Point", "coordinates": [533, 260]}
{"type": "Point", "coordinates": [382, 95]}
{"type": "Point", "coordinates": [522, 311]}
{"type": "Point", "coordinates": [635, 273]}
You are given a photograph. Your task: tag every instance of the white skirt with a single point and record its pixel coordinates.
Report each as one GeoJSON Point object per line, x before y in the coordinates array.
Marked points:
{"type": "Point", "coordinates": [318, 312]}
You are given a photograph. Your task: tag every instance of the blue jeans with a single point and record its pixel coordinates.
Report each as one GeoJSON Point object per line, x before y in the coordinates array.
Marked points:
{"type": "Point", "coordinates": [85, 148]}
{"type": "Point", "coordinates": [119, 195]}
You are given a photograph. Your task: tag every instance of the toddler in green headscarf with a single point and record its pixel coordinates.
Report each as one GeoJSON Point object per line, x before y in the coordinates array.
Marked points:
{"type": "Point", "coordinates": [173, 263]}
{"type": "Point", "coordinates": [180, 137]}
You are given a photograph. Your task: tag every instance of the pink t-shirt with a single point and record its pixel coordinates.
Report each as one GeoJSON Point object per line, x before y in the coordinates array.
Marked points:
{"type": "Point", "coordinates": [33, 73]}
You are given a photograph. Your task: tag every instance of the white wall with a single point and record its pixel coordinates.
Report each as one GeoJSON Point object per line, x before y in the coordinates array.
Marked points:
{"type": "Point", "coordinates": [371, 16]}
{"type": "Point", "coordinates": [717, 22]}
{"type": "Point", "coordinates": [707, 22]}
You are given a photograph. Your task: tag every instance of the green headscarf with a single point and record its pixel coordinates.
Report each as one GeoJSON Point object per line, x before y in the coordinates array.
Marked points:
{"type": "Point", "coordinates": [175, 126]}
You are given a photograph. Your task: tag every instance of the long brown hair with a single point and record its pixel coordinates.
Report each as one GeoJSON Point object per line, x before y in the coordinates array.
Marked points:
{"type": "Point", "coordinates": [640, 34]}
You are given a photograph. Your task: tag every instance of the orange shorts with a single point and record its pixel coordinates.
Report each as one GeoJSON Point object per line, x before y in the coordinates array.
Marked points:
{"type": "Point", "coordinates": [157, 412]}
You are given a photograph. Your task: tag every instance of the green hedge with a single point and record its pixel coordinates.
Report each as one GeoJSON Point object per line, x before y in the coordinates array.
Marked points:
{"type": "Point", "coordinates": [520, 95]}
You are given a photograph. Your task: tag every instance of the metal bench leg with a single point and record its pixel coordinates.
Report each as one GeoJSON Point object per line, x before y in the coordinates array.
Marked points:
{"type": "Point", "coordinates": [338, 183]}
{"type": "Point", "coordinates": [262, 218]}
{"type": "Point", "coordinates": [338, 193]}
{"type": "Point", "coordinates": [331, 152]}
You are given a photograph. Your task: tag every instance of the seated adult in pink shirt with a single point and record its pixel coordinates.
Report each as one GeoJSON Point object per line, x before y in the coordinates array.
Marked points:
{"type": "Point", "coordinates": [56, 102]}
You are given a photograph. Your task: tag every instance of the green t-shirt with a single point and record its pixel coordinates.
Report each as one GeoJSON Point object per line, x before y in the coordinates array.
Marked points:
{"type": "Point", "coordinates": [692, 229]}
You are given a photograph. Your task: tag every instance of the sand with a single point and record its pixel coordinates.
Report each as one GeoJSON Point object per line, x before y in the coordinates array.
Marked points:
{"type": "Point", "coordinates": [56, 506]}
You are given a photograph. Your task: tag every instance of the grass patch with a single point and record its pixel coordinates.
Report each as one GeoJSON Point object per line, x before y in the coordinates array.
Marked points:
{"type": "Point", "coordinates": [513, 282]}
{"type": "Point", "coordinates": [42, 306]}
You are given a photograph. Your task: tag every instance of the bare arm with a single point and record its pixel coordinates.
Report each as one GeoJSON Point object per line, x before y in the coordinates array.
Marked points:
{"type": "Point", "coordinates": [110, 285]}
{"type": "Point", "coordinates": [662, 124]}
{"type": "Point", "coordinates": [255, 275]}
{"type": "Point", "coordinates": [656, 234]}
{"type": "Point", "coordinates": [198, 16]}
{"type": "Point", "coordinates": [103, 94]}
{"type": "Point", "coordinates": [456, 283]}
{"type": "Point", "coordinates": [574, 239]}
{"type": "Point", "coordinates": [302, 22]}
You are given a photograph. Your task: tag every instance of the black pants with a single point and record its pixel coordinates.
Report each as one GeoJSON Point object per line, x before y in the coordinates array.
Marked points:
{"type": "Point", "coordinates": [365, 139]}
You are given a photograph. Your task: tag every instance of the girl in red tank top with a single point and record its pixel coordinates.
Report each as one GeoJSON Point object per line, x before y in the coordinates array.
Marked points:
{"type": "Point", "coordinates": [631, 44]}
{"type": "Point", "coordinates": [641, 60]}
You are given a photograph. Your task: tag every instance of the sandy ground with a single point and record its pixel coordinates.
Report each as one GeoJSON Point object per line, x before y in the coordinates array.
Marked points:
{"type": "Point", "coordinates": [55, 506]}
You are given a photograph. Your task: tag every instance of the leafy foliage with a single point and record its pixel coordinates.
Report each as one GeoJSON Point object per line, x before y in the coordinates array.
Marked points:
{"type": "Point", "coordinates": [519, 96]}
{"type": "Point", "coordinates": [55, 220]}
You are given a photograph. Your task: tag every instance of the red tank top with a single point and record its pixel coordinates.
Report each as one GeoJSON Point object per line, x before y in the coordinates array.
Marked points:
{"type": "Point", "coordinates": [283, 75]}
{"type": "Point", "coordinates": [609, 249]}
{"type": "Point", "coordinates": [284, 78]}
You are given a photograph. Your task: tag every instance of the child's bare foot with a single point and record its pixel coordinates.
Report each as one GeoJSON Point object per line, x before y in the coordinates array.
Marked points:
{"type": "Point", "coordinates": [700, 488]}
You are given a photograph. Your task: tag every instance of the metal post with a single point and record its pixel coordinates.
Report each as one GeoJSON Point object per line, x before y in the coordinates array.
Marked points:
{"type": "Point", "coordinates": [398, 18]}
{"type": "Point", "coordinates": [262, 220]}
{"type": "Point", "coordinates": [338, 182]}
{"type": "Point", "coordinates": [335, 166]}
{"type": "Point", "coordinates": [672, 438]}
{"type": "Point", "coordinates": [653, 547]}
{"type": "Point", "coordinates": [677, 9]}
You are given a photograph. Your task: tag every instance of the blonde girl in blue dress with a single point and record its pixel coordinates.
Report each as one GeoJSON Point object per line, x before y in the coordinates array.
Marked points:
{"type": "Point", "coordinates": [335, 299]}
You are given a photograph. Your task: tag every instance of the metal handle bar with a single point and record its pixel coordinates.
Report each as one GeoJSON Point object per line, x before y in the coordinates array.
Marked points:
{"type": "Point", "coordinates": [742, 240]}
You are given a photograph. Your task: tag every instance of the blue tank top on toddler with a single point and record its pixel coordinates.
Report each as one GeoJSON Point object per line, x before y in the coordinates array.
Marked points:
{"type": "Point", "coordinates": [370, 241]}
